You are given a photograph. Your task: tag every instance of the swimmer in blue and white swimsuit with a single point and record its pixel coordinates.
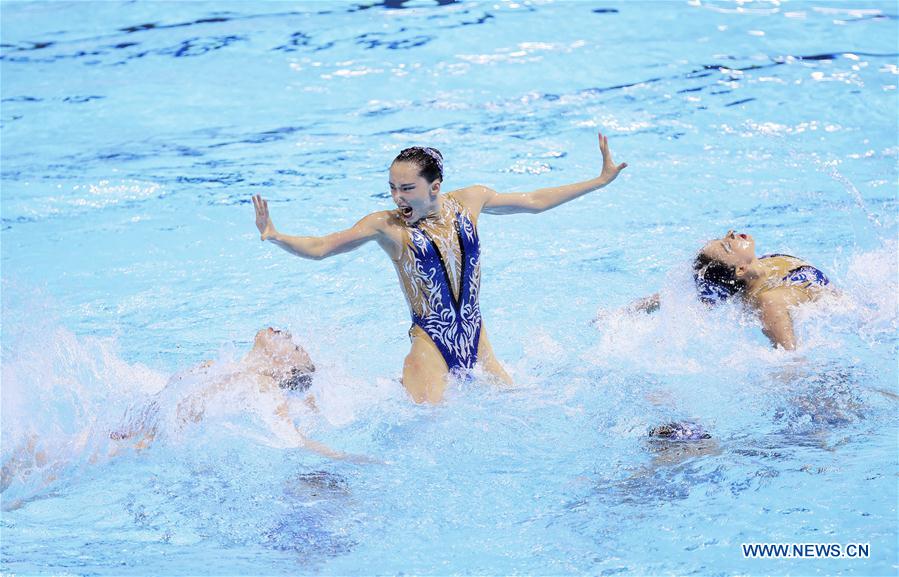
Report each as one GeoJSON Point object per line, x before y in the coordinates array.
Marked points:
{"type": "Point", "coordinates": [441, 275]}
{"type": "Point", "coordinates": [772, 284]}
{"type": "Point", "coordinates": [432, 240]}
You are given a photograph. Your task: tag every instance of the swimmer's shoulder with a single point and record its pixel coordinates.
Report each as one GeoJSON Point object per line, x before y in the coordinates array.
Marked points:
{"type": "Point", "coordinates": [384, 221]}
{"type": "Point", "coordinates": [472, 197]}
{"type": "Point", "coordinates": [475, 193]}
{"type": "Point", "coordinates": [390, 231]}
{"type": "Point", "coordinates": [781, 297]}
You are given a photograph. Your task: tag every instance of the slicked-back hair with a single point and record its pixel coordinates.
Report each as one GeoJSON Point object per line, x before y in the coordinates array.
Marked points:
{"type": "Point", "coordinates": [715, 281]}
{"type": "Point", "coordinates": [428, 160]}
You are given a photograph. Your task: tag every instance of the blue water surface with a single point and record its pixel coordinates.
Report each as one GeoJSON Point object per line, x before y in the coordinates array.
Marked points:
{"type": "Point", "coordinates": [134, 133]}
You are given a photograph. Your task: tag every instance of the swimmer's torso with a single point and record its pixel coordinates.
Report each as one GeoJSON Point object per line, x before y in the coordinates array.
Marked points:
{"type": "Point", "coordinates": [439, 271]}
{"type": "Point", "coordinates": [789, 271]}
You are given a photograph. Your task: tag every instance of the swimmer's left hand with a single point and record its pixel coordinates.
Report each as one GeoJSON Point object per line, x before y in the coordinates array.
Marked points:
{"type": "Point", "coordinates": [609, 169]}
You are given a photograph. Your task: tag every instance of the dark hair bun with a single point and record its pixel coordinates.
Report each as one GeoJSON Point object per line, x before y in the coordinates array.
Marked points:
{"type": "Point", "coordinates": [428, 160]}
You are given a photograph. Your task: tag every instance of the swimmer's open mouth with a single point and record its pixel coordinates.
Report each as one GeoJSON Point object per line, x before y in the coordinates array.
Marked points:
{"type": "Point", "coordinates": [406, 211]}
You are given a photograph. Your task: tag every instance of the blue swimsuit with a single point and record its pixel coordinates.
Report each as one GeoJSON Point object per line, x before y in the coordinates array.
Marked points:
{"type": "Point", "coordinates": [453, 322]}
{"type": "Point", "coordinates": [786, 271]}
{"type": "Point", "coordinates": [801, 273]}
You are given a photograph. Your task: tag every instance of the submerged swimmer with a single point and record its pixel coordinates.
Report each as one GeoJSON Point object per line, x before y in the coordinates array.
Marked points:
{"type": "Point", "coordinates": [771, 285]}
{"type": "Point", "coordinates": [432, 239]}
{"type": "Point", "coordinates": [679, 431]}
{"type": "Point", "coordinates": [678, 441]}
{"type": "Point", "coordinates": [273, 367]}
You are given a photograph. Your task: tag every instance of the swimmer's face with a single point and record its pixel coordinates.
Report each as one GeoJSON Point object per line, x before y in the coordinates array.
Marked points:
{"type": "Point", "coordinates": [414, 196]}
{"type": "Point", "coordinates": [279, 347]}
{"type": "Point", "coordinates": [732, 249]}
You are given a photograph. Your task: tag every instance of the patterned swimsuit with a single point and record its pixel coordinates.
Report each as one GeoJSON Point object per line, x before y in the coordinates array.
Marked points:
{"type": "Point", "coordinates": [791, 271]}
{"type": "Point", "coordinates": [452, 319]}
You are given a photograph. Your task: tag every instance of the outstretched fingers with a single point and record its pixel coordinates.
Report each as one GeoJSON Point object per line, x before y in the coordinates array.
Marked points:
{"type": "Point", "coordinates": [604, 147]}
{"type": "Point", "coordinates": [263, 221]}
{"type": "Point", "coordinates": [260, 205]}
{"type": "Point", "coordinates": [607, 161]}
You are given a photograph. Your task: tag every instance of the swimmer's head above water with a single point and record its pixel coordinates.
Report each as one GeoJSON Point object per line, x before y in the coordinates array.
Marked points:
{"type": "Point", "coordinates": [284, 361]}
{"type": "Point", "coordinates": [720, 266]}
{"type": "Point", "coordinates": [415, 178]}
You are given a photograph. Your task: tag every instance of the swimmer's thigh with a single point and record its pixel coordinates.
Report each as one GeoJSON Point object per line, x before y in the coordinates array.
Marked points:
{"type": "Point", "coordinates": [488, 360]}
{"type": "Point", "coordinates": [424, 370]}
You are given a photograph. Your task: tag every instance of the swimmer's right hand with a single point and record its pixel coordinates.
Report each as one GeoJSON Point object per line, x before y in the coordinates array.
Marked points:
{"type": "Point", "coordinates": [263, 220]}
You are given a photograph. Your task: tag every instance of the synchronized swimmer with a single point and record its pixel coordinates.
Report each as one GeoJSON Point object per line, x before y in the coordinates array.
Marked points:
{"type": "Point", "coordinates": [770, 285]}
{"type": "Point", "coordinates": [272, 369]}
{"type": "Point", "coordinates": [432, 239]}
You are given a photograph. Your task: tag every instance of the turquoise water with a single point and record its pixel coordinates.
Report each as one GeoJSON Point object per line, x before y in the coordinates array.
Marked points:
{"type": "Point", "coordinates": [133, 135]}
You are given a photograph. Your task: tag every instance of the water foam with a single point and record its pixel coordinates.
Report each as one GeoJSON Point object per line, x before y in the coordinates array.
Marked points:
{"type": "Point", "coordinates": [684, 336]}
{"type": "Point", "coordinates": [61, 393]}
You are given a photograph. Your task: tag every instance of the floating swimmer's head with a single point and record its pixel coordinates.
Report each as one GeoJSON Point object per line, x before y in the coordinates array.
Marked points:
{"type": "Point", "coordinates": [285, 361]}
{"type": "Point", "coordinates": [415, 178]}
{"type": "Point", "coordinates": [719, 267]}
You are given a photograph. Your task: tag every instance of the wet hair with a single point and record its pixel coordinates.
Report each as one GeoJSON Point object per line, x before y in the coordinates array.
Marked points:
{"type": "Point", "coordinates": [679, 431]}
{"type": "Point", "coordinates": [428, 160]}
{"type": "Point", "coordinates": [297, 379]}
{"type": "Point", "coordinates": [715, 281]}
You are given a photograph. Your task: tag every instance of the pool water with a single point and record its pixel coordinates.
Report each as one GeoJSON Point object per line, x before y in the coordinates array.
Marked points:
{"type": "Point", "coordinates": [134, 134]}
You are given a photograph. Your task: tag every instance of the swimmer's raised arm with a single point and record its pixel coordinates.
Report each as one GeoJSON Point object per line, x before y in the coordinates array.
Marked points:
{"type": "Point", "coordinates": [372, 227]}
{"type": "Point", "coordinates": [543, 199]}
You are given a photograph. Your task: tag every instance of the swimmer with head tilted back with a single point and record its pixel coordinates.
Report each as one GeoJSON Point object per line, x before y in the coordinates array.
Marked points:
{"type": "Point", "coordinates": [771, 285]}
{"type": "Point", "coordinates": [432, 239]}
{"type": "Point", "coordinates": [275, 367]}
